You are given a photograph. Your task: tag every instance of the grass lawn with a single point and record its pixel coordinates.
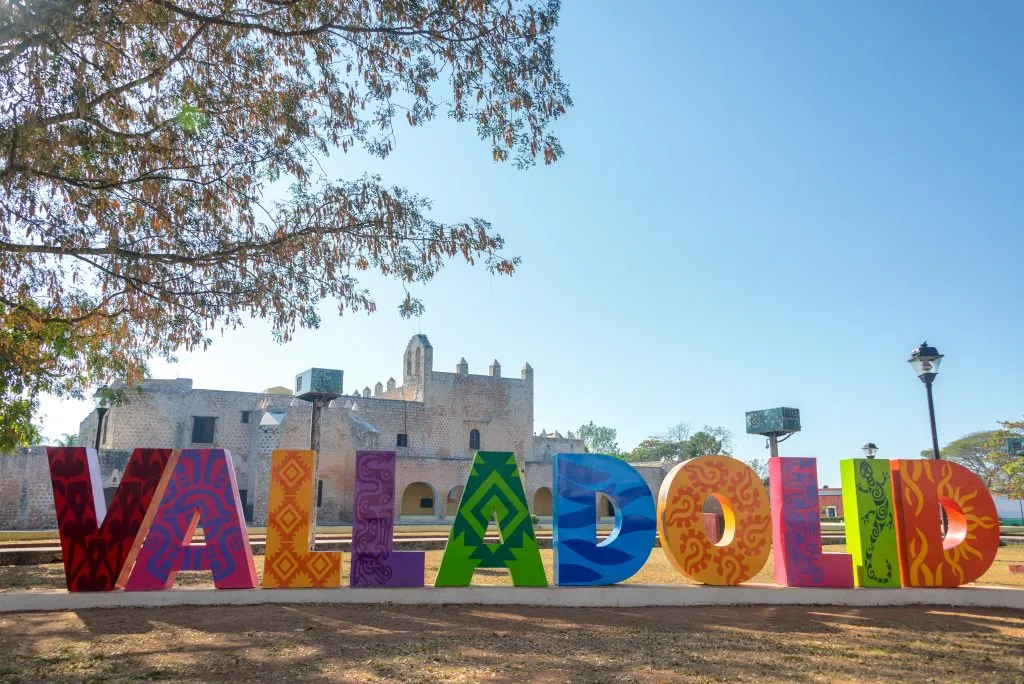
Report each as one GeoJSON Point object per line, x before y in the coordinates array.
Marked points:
{"type": "Point", "coordinates": [657, 570]}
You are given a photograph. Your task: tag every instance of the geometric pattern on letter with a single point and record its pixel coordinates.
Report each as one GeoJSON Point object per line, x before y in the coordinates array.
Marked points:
{"type": "Point", "coordinates": [198, 488]}
{"type": "Point", "coordinates": [578, 559]}
{"type": "Point", "coordinates": [746, 544]}
{"type": "Point", "coordinates": [796, 528]}
{"type": "Point", "coordinates": [870, 528]}
{"type": "Point", "coordinates": [374, 562]}
{"type": "Point", "coordinates": [95, 542]}
{"type": "Point", "coordinates": [290, 564]}
{"type": "Point", "coordinates": [494, 489]}
{"type": "Point", "coordinates": [972, 539]}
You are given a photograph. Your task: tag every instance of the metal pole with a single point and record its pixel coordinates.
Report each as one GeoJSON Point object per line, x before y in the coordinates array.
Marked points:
{"type": "Point", "coordinates": [314, 427]}
{"type": "Point", "coordinates": [773, 445]}
{"type": "Point", "coordinates": [314, 445]}
{"type": "Point", "coordinates": [943, 520]}
{"type": "Point", "coordinates": [99, 426]}
{"type": "Point", "coordinates": [931, 415]}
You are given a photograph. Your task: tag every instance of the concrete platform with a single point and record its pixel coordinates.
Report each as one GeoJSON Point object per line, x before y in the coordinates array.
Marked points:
{"type": "Point", "coordinates": [620, 596]}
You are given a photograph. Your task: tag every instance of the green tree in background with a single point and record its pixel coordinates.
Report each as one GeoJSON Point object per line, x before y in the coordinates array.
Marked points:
{"type": "Point", "coordinates": [985, 454]}
{"type": "Point", "coordinates": [161, 176]}
{"type": "Point", "coordinates": [972, 451]}
{"type": "Point", "coordinates": [709, 441]}
{"type": "Point", "coordinates": [760, 466]}
{"type": "Point", "coordinates": [677, 444]}
{"type": "Point", "coordinates": [656, 449]}
{"type": "Point", "coordinates": [598, 439]}
{"type": "Point", "coordinates": [1009, 468]}
{"type": "Point", "coordinates": [67, 440]}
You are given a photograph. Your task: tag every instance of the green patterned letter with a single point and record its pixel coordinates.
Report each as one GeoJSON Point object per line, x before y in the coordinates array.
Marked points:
{"type": "Point", "coordinates": [494, 489]}
{"type": "Point", "coordinates": [870, 534]}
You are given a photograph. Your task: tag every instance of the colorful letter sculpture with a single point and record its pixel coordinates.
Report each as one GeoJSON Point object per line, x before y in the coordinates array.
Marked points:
{"type": "Point", "coordinates": [96, 543]}
{"type": "Point", "coordinates": [972, 538]}
{"type": "Point", "coordinates": [494, 489]}
{"type": "Point", "coordinates": [290, 562]}
{"type": "Point", "coordinates": [579, 559]}
{"type": "Point", "coordinates": [743, 549]}
{"type": "Point", "coordinates": [870, 530]}
{"type": "Point", "coordinates": [374, 563]}
{"type": "Point", "coordinates": [796, 529]}
{"type": "Point", "coordinates": [198, 487]}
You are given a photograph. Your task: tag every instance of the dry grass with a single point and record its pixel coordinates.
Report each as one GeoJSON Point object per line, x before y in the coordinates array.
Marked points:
{"type": "Point", "coordinates": [467, 643]}
{"type": "Point", "coordinates": [657, 570]}
{"type": "Point", "coordinates": [473, 643]}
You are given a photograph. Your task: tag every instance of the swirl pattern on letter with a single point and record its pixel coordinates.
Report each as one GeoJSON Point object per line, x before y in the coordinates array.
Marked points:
{"type": "Point", "coordinates": [747, 540]}
{"type": "Point", "coordinates": [374, 563]}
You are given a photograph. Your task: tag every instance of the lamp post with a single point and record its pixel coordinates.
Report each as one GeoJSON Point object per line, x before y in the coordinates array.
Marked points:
{"type": "Point", "coordinates": [869, 449]}
{"type": "Point", "coordinates": [102, 405]}
{"type": "Point", "coordinates": [925, 361]}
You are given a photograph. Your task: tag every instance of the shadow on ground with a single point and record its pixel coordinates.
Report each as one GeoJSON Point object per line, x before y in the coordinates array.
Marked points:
{"type": "Point", "coordinates": [421, 643]}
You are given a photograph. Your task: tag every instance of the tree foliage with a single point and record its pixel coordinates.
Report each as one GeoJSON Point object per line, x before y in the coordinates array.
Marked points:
{"type": "Point", "coordinates": [160, 174]}
{"type": "Point", "coordinates": [67, 440]}
{"type": "Point", "coordinates": [677, 444]}
{"type": "Point", "coordinates": [1009, 468]}
{"type": "Point", "coordinates": [760, 466]}
{"type": "Point", "coordinates": [973, 452]}
{"type": "Point", "coordinates": [985, 454]}
{"type": "Point", "coordinates": [599, 439]}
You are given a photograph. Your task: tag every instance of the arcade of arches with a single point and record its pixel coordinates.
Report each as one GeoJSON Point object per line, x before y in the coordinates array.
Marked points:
{"type": "Point", "coordinates": [452, 503]}
{"type": "Point", "coordinates": [419, 500]}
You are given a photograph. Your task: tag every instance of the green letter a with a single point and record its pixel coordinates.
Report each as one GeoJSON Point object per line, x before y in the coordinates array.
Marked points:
{"type": "Point", "coordinates": [494, 489]}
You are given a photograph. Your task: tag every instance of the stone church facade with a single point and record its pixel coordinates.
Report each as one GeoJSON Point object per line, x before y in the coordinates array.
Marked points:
{"type": "Point", "coordinates": [434, 420]}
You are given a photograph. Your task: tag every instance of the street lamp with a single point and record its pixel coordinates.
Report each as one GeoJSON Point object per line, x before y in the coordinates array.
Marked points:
{"type": "Point", "coordinates": [102, 405]}
{"type": "Point", "coordinates": [925, 361]}
{"type": "Point", "coordinates": [870, 449]}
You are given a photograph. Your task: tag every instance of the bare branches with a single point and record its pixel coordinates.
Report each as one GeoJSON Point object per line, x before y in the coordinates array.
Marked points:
{"type": "Point", "coordinates": [160, 172]}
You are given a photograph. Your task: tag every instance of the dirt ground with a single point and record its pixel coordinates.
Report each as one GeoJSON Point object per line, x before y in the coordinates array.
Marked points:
{"type": "Point", "coordinates": [472, 643]}
{"type": "Point", "coordinates": [467, 643]}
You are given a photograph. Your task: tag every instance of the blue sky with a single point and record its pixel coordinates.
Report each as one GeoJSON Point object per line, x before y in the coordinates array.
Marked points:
{"type": "Point", "coordinates": [759, 206]}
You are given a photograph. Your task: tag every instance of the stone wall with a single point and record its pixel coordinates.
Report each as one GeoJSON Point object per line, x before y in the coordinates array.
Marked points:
{"type": "Point", "coordinates": [26, 496]}
{"type": "Point", "coordinates": [434, 411]}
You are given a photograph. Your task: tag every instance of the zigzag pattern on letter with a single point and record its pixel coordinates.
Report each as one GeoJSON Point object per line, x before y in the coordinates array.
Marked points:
{"type": "Point", "coordinates": [289, 561]}
{"type": "Point", "coordinates": [494, 487]}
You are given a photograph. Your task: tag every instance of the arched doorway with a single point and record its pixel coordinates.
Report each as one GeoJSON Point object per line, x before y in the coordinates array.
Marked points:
{"type": "Point", "coordinates": [542, 502]}
{"type": "Point", "coordinates": [451, 505]}
{"type": "Point", "coordinates": [605, 508]}
{"type": "Point", "coordinates": [418, 500]}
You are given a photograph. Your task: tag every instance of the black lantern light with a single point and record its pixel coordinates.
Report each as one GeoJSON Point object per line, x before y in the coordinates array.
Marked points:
{"type": "Point", "coordinates": [925, 361]}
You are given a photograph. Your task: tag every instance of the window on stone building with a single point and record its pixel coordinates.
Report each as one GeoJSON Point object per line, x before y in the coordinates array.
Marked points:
{"type": "Point", "coordinates": [246, 415]}
{"type": "Point", "coordinates": [403, 439]}
{"type": "Point", "coordinates": [474, 439]}
{"type": "Point", "coordinates": [319, 493]}
{"type": "Point", "coordinates": [202, 429]}
{"type": "Point", "coordinates": [427, 503]}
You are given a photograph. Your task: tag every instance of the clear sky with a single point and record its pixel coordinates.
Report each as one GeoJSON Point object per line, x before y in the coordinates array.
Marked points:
{"type": "Point", "coordinates": [760, 205]}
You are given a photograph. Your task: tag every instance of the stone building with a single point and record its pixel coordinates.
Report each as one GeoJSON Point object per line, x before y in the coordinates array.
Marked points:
{"type": "Point", "coordinates": [434, 420]}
